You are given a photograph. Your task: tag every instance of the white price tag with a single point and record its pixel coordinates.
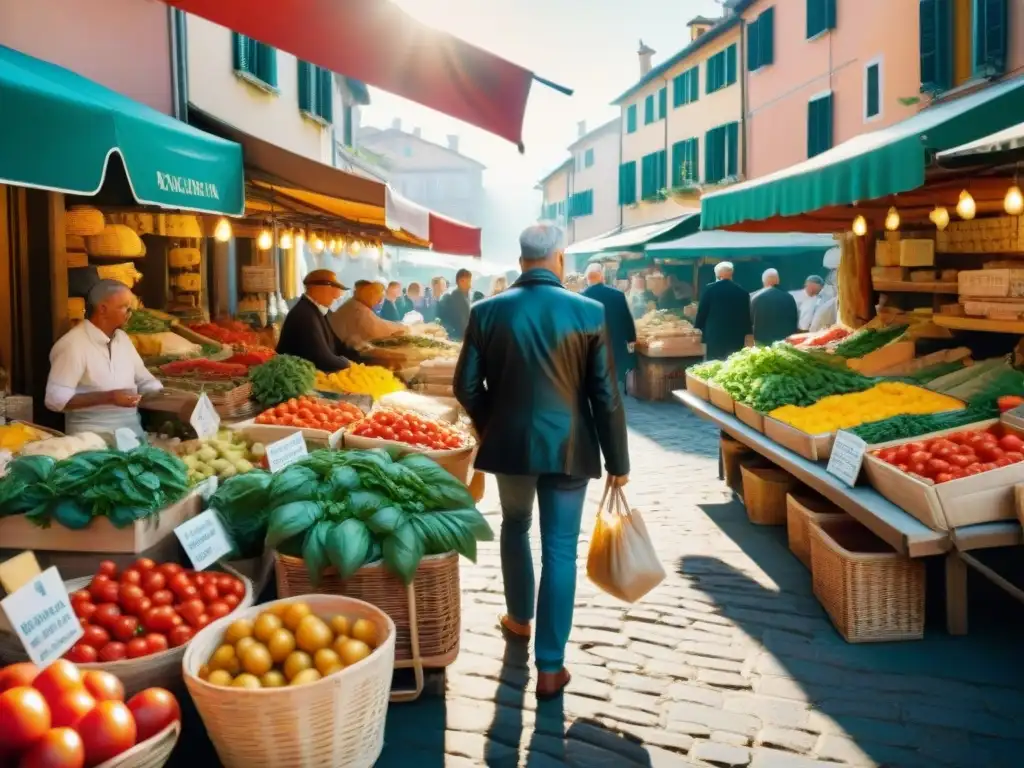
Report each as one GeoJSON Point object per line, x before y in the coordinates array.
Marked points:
{"type": "Point", "coordinates": [40, 614]}
{"type": "Point", "coordinates": [207, 488]}
{"type": "Point", "coordinates": [285, 452]}
{"type": "Point", "coordinates": [125, 439]}
{"type": "Point", "coordinates": [847, 457]}
{"type": "Point", "coordinates": [204, 539]}
{"type": "Point", "coordinates": [205, 419]}
{"type": "Point", "coordinates": [334, 441]}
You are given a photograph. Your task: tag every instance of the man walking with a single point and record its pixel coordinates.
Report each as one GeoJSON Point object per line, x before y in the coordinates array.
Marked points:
{"type": "Point", "coordinates": [723, 315]}
{"type": "Point", "coordinates": [536, 377]}
{"type": "Point", "coordinates": [618, 319]}
{"type": "Point", "coordinates": [773, 311]}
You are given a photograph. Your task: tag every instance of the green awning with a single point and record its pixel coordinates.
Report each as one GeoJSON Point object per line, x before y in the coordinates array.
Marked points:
{"type": "Point", "coordinates": [869, 166]}
{"type": "Point", "coordinates": [58, 131]}
{"type": "Point", "coordinates": [634, 239]}
{"type": "Point", "coordinates": [723, 245]}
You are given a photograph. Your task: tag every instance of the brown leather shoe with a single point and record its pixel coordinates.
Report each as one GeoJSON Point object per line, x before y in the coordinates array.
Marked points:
{"type": "Point", "coordinates": [551, 685]}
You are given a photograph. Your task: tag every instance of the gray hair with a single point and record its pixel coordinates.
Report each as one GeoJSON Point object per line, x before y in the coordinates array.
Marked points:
{"type": "Point", "coordinates": [814, 279]}
{"type": "Point", "coordinates": [101, 292]}
{"type": "Point", "coordinates": [595, 269]}
{"type": "Point", "coordinates": [722, 267]}
{"type": "Point", "coordinates": [540, 242]}
{"type": "Point", "coordinates": [770, 277]}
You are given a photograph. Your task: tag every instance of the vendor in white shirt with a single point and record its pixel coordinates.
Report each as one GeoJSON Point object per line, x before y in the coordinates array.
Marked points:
{"type": "Point", "coordinates": [816, 305]}
{"type": "Point", "coordinates": [356, 324]}
{"type": "Point", "coordinates": [96, 376]}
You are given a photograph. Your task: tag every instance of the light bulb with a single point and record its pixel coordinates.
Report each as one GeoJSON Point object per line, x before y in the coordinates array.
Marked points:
{"type": "Point", "coordinates": [222, 232]}
{"type": "Point", "coordinates": [965, 207]}
{"type": "Point", "coordinates": [300, 240]}
{"type": "Point", "coordinates": [860, 226]}
{"type": "Point", "coordinates": [939, 217]}
{"type": "Point", "coordinates": [355, 247]}
{"type": "Point", "coordinates": [265, 240]}
{"type": "Point", "coordinates": [892, 219]}
{"type": "Point", "coordinates": [1013, 203]}
{"type": "Point", "coordinates": [374, 252]}
{"type": "Point", "coordinates": [318, 244]}
{"type": "Point", "coordinates": [286, 241]}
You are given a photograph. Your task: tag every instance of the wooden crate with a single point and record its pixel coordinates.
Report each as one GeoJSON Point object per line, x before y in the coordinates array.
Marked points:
{"type": "Point", "coordinates": [657, 377]}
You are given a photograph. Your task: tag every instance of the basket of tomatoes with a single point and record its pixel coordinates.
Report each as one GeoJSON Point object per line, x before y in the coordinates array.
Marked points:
{"type": "Point", "coordinates": [137, 621]}
{"type": "Point", "coordinates": [320, 420]}
{"type": "Point", "coordinates": [67, 717]}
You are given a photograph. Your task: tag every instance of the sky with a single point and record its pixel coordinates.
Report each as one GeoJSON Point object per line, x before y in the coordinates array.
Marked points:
{"type": "Point", "coordinates": [587, 45]}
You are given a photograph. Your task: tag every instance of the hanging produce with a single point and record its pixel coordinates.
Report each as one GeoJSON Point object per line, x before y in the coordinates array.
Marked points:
{"type": "Point", "coordinates": [281, 378]}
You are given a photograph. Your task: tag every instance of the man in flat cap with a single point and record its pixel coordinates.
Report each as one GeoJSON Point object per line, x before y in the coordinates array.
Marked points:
{"type": "Point", "coordinates": [306, 332]}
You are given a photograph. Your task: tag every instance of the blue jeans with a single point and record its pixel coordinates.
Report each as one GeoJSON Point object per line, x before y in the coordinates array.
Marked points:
{"type": "Point", "coordinates": [561, 506]}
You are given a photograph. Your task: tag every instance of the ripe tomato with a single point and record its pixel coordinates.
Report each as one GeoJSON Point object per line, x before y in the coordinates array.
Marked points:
{"type": "Point", "coordinates": [106, 615]}
{"type": "Point", "coordinates": [1015, 457]}
{"type": "Point", "coordinates": [144, 565]}
{"type": "Point", "coordinates": [208, 593]}
{"type": "Point", "coordinates": [157, 643]}
{"type": "Point", "coordinates": [59, 748]}
{"type": "Point", "coordinates": [989, 452]}
{"type": "Point", "coordinates": [137, 648]}
{"type": "Point", "coordinates": [80, 594]}
{"type": "Point", "coordinates": [1011, 443]}
{"type": "Point", "coordinates": [153, 581]}
{"type": "Point", "coordinates": [191, 610]}
{"type": "Point", "coordinates": [57, 678]}
{"type": "Point", "coordinates": [125, 628]}
{"type": "Point", "coordinates": [95, 636]}
{"type": "Point", "coordinates": [103, 686]}
{"type": "Point", "coordinates": [154, 709]}
{"type": "Point", "coordinates": [81, 653]}
{"type": "Point", "coordinates": [169, 569]}
{"type": "Point", "coordinates": [107, 568]}
{"type": "Point", "coordinates": [96, 585]}
{"type": "Point", "coordinates": [231, 601]}
{"type": "Point", "coordinates": [113, 651]}
{"type": "Point", "coordinates": [131, 576]}
{"type": "Point", "coordinates": [107, 731]}
{"type": "Point", "coordinates": [943, 477]}
{"type": "Point", "coordinates": [229, 585]}
{"type": "Point", "coordinates": [17, 675]}
{"type": "Point", "coordinates": [131, 598]}
{"type": "Point", "coordinates": [218, 610]}
{"type": "Point", "coordinates": [70, 707]}
{"type": "Point", "coordinates": [180, 635]}
{"type": "Point", "coordinates": [162, 597]}
{"type": "Point", "coordinates": [83, 609]}
{"type": "Point", "coordinates": [159, 619]}
{"type": "Point", "coordinates": [24, 718]}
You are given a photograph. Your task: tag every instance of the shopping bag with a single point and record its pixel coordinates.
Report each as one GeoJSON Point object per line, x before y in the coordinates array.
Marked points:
{"type": "Point", "coordinates": [622, 560]}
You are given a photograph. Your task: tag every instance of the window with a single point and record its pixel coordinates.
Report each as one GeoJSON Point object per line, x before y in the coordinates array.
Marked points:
{"type": "Point", "coordinates": [685, 167]}
{"type": "Point", "coordinates": [721, 153]}
{"type": "Point", "coordinates": [873, 90]}
{"type": "Point", "coordinates": [821, 16]}
{"type": "Point", "coordinates": [761, 40]}
{"type": "Point", "coordinates": [649, 114]}
{"type": "Point", "coordinates": [655, 175]}
{"type": "Point", "coordinates": [347, 126]}
{"type": "Point", "coordinates": [819, 125]}
{"type": "Point", "coordinates": [936, 42]}
{"type": "Point", "coordinates": [588, 158]}
{"type": "Point", "coordinates": [627, 183]}
{"type": "Point", "coordinates": [316, 92]}
{"type": "Point", "coordinates": [662, 103]}
{"type": "Point", "coordinates": [721, 70]}
{"type": "Point", "coordinates": [581, 204]}
{"type": "Point", "coordinates": [631, 119]}
{"type": "Point", "coordinates": [686, 87]}
{"type": "Point", "coordinates": [255, 60]}
{"type": "Point", "coordinates": [990, 23]}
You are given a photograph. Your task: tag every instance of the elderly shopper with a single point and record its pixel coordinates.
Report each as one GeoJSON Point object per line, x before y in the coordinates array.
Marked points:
{"type": "Point", "coordinates": [773, 311]}
{"type": "Point", "coordinates": [96, 375]}
{"type": "Point", "coordinates": [618, 319]}
{"type": "Point", "coordinates": [807, 300]}
{"type": "Point", "coordinates": [536, 377]}
{"type": "Point", "coordinates": [723, 315]}
{"type": "Point", "coordinates": [355, 323]}
{"type": "Point", "coordinates": [306, 332]}
{"type": "Point", "coordinates": [453, 308]}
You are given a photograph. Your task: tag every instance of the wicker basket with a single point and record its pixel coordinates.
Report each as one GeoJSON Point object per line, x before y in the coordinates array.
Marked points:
{"type": "Point", "coordinates": [457, 462]}
{"type": "Point", "coordinates": [115, 241]}
{"type": "Point", "coordinates": [336, 722]}
{"type": "Point", "coordinates": [764, 493]}
{"type": "Point", "coordinates": [657, 377]}
{"type": "Point", "coordinates": [735, 454]}
{"type": "Point", "coordinates": [83, 220]}
{"type": "Point", "coordinates": [802, 512]}
{"type": "Point", "coordinates": [871, 593]}
{"type": "Point", "coordinates": [154, 752]}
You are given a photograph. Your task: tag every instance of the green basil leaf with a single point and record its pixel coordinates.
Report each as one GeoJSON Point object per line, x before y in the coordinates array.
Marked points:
{"type": "Point", "coordinates": [403, 551]}
{"type": "Point", "coordinates": [295, 483]}
{"type": "Point", "coordinates": [471, 518]}
{"type": "Point", "coordinates": [148, 480]}
{"type": "Point", "coordinates": [348, 544]}
{"type": "Point", "coordinates": [442, 489]}
{"type": "Point", "coordinates": [290, 520]}
{"type": "Point", "coordinates": [385, 520]}
{"type": "Point", "coordinates": [314, 551]}
{"type": "Point", "coordinates": [69, 513]}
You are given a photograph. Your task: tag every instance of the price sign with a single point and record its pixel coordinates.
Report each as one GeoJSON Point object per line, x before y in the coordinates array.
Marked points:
{"type": "Point", "coordinates": [204, 420]}
{"type": "Point", "coordinates": [847, 457]}
{"type": "Point", "coordinates": [125, 439]}
{"type": "Point", "coordinates": [285, 452]}
{"type": "Point", "coordinates": [207, 488]}
{"type": "Point", "coordinates": [204, 539]}
{"type": "Point", "coordinates": [334, 440]}
{"type": "Point", "coordinates": [40, 614]}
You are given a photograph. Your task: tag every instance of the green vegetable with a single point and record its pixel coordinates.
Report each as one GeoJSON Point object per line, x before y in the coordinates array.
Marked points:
{"type": "Point", "coordinates": [143, 321]}
{"type": "Point", "coordinates": [281, 378]}
{"type": "Point", "coordinates": [706, 371]}
{"type": "Point", "coordinates": [868, 340]}
{"type": "Point", "coordinates": [423, 342]}
{"type": "Point", "coordinates": [241, 503]}
{"type": "Point", "coordinates": [932, 372]}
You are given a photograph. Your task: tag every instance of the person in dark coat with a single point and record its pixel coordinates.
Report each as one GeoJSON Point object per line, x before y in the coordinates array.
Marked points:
{"type": "Point", "coordinates": [773, 311]}
{"type": "Point", "coordinates": [723, 315]}
{"type": "Point", "coordinates": [619, 319]}
{"type": "Point", "coordinates": [306, 332]}
{"type": "Point", "coordinates": [536, 377]}
{"type": "Point", "coordinates": [392, 296]}
{"type": "Point", "coordinates": [453, 309]}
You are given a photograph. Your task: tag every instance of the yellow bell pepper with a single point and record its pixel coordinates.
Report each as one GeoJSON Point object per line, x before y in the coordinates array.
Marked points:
{"type": "Point", "coordinates": [360, 379]}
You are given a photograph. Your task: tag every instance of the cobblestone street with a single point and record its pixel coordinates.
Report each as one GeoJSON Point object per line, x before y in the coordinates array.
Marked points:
{"type": "Point", "coordinates": [730, 662]}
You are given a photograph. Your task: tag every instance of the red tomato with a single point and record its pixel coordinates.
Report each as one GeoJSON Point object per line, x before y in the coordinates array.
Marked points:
{"type": "Point", "coordinates": [57, 678]}
{"type": "Point", "coordinates": [131, 576]}
{"type": "Point", "coordinates": [136, 648]}
{"type": "Point", "coordinates": [943, 477]}
{"type": "Point", "coordinates": [144, 565]}
{"type": "Point", "coordinates": [218, 610]}
{"type": "Point", "coordinates": [1015, 457]}
{"type": "Point", "coordinates": [191, 610]}
{"type": "Point", "coordinates": [178, 582]}
{"type": "Point", "coordinates": [202, 621]}
{"type": "Point", "coordinates": [919, 469]}
{"type": "Point", "coordinates": [105, 592]}
{"type": "Point", "coordinates": [96, 585]}
{"type": "Point", "coordinates": [103, 686]}
{"type": "Point", "coordinates": [107, 731]}
{"type": "Point", "coordinates": [70, 707]}
{"type": "Point", "coordinates": [159, 619]}
{"type": "Point", "coordinates": [189, 593]}
{"type": "Point", "coordinates": [169, 570]}
{"type": "Point", "coordinates": [162, 597]}
{"type": "Point", "coordinates": [989, 452]}
{"type": "Point", "coordinates": [131, 598]}
{"type": "Point", "coordinates": [231, 601]}
{"type": "Point", "coordinates": [106, 615]}
{"type": "Point", "coordinates": [107, 568]}
{"type": "Point", "coordinates": [974, 469]}
{"type": "Point", "coordinates": [24, 718]}
{"type": "Point", "coordinates": [81, 653]}
{"type": "Point", "coordinates": [180, 635]}
{"type": "Point", "coordinates": [965, 450]}
{"type": "Point", "coordinates": [157, 643]}
{"type": "Point", "coordinates": [154, 709]}
{"type": "Point", "coordinates": [1002, 461]}
{"type": "Point", "coordinates": [58, 748]}
{"type": "Point", "coordinates": [936, 467]}
{"type": "Point", "coordinates": [919, 457]}
{"type": "Point", "coordinates": [902, 454]}
{"type": "Point", "coordinates": [83, 609]}
{"type": "Point", "coordinates": [17, 675]}
{"type": "Point", "coordinates": [208, 593]}
{"type": "Point", "coordinates": [115, 650]}
{"type": "Point", "coordinates": [1011, 443]}
{"type": "Point", "coordinates": [153, 581]}
{"type": "Point", "coordinates": [125, 628]}
{"type": "Point", "coordinates": [959, 460]}
{"type": "Point", "coordinates": [95, 636]}
{"type": "Point", "coordinates": [80, 594]}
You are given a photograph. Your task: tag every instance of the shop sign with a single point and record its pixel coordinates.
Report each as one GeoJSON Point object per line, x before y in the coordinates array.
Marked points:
{"type": "Point", "coordinates": [287, 451]}
{"type": "Point", "coordinates": [204, 539]}
{"type": "Point", "coordinates": [41, 615]}
{"type": "Point", "coordinates": [847, 457]}
{"type": "Point", "coordinates": [182, 185]}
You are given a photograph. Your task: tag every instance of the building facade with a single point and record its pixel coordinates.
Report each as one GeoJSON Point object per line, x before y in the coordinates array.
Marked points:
{"type": "Point", "coordinates": [555, 190]}
{"type": "Point", "coordinates": [592, 206]}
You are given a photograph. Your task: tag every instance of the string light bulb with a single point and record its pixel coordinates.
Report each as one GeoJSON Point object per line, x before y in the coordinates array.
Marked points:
{"type": "Point", "coordinates": [355, 247]}
{"type": "Point", "coordinates": [318, 244]}
{"type": "Point", "coordinates": [965, 206]}
{"type": "Point", "coordinates": [286, 241]}
{"type": "Point", "coordinates": [222, 232]}
{"type": "Point", "coordinates": [300, 240]}
{"type": "Point", "coordinates": [1013, 203]}
{"type": "Point", "coordinates": [332, 245]}
{"type": "Point", "coordinates": [265, 240]}
{"type": "Point", "coordinates": [892, 219]}
{"type": "Point", "coordinates": [860, 226]}
{"type": "Point", "coordinates": [939, 217]}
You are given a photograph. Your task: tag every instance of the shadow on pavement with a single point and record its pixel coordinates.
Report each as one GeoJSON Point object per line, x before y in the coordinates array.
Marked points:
{"type": "Point", "coordinates": [672, 426]}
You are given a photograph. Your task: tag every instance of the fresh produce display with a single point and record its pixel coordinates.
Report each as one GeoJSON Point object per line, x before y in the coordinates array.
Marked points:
{"type": "Point", "coordinates": [419, 342]}
{"type": "Point", "coordinates": [148, 608]}
{"type": "Point", "coordinates": [152, 345]}
{"type": "Point", "coordinates": [226, 454]}
{"type": "Point", "coordinates": [62, 447]}
{"type": "Point", "coordinates": [820, 339]}
{"type": "Point", "coordinates": [411, 429]}
{"type": "Point", "coordinates": [252, 356]}
{"type": "Point", "coordinates": [202, 367]}
{"type": "Point", "coordinates": [1009, 402]}
{"type": "Point", "coordinates": [882, 401]}
{"type": "Point", "coordinates": [956, 455]}
{"type": "Point", "coordinates": [311, 413]}
{"type": "Point", "coordinates": [867, 340]}
{"type": "Point", "coordinates": [932, 372]}
{"type": "Point", "coordinates": [706, 371]}
{"type": "Point", "coordinates": [288, 644]}
{"type": "Point", "coordinates": [281, 378]}
{"type": "Point", "coordinates": [14, 437]}
{"type": "Point", "coordinates": [360, 379]}
{"type": "Point", "coordinates": [241, 504]}
{"type": "Point", "coordinates": [980, 379]}
{"type": "Point", "coordinates": [664, 322]}
{"type": "Point", "coordinates": [349, 508]}
{"type": "Point", "coordinates": [123, 487]}
{"type": "Point", "coordinates": [143, 321]}
{"type": "Point", "coordinates": [228, 332]}
{"type": "Point", "coordinates": [62, 717]}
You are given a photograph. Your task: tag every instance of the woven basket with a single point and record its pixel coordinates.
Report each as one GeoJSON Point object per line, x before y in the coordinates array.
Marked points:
{"type": "Point", "coordinates": [735, 453]}
{"type": "Point", "coordinates": [115, 241]}
{"type": "Point", "coordinates": [764, 493]}
{"type": "Point", "coordinates": [456, 462]}
{"type": "Point", "coordinates": [83, 220]}
{"type": "Point", "coordinates": [871, 593]}
{"type": "Point", "coordinates": [182, 226]}
{"type": "Point", "coordinates": [802, 512]}
{"type": "Point", "coordinates": [154, 752]}
{"type": "Point", "coordinates": [336, 722]}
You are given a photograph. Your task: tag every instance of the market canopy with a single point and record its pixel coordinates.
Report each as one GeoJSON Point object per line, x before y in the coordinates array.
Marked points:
{"type": "Point", "coordinates": [1001, 146]}
{"type": "Point", "coordinates": [58, 131]}
{"type": "Point", "coordinates": [378, 43]}
{"type": "Point", "coordinates": [720, 244]}
{"type": "Point", "coordinates": [636, 238]}
{"type": "Point", "coordinates": [873, 165]}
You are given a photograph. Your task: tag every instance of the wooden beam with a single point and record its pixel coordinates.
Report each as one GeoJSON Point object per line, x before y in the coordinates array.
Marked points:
{"type": "Point", "coordinates": [58, 266]}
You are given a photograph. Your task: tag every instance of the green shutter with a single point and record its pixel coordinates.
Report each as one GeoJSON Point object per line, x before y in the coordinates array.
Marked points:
{"type": "Point", "coordinates": [326, 87]}
{"type": "Point", "coordinates": [714, 155]}
{"type": "Point", "coordinates": [730, 64]}
{"type": "Point", "coordinates": [709, 76]}
{"type": "Point", "coordinates": [266, 69]}
{"type": "Point", "coordinates": [766, 37]}
{"type": "Point", "coordinates": [647, 176]}
{"type": "Point", "coordinates": [821, 15]}
{"type": "Point", "coordinates": [346, 129]}
{"type": "Point", "coordinates": [693, 160]}
{"type": "Point", "coordinates": [872, 88]}
{"type": "Point", "coordinates": [678, 163]}
{"type": "Point", "coordinates": [678, 90]}
{"type": "Point", "coordinates": [631, 119]}
{"type": "Point", "coordinates": [627, 183]}
{"type": "Point", "coordinates": [649, 110]}
{"type": "Point", "coordinates": [936, 45]}
{"type": "Point", "coordinates": [240, 52]}
{"type": "Point", "coordinates": [662, 180]}
{"type": "Point", "coordinates": [819, 126]}
{"type": "Point", "coordinates": [990, 23]}
{"type": "Point", "coordinates": [307, 74]}
{"type": "Point", "coordinates": [695, 83]}
{"type": "Point", "coordinates": [662, 103]}
{"type": "Point", "coordinates": [753, 43]}
{"type": "Point", "coordinates": [732, 149]}
{"type": "Point", "coordinates": [588, 158]}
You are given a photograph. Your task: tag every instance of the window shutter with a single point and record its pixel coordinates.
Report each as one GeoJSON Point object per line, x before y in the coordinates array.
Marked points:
{"type": "Point", "coordinates": [678, 90]}
{"type": "Point", "coordinates": [872, 87]}
{"type": "Point", "coordinates": [753, 42]}
{"type": "Point", "coordinates": [649, 110]}
{"type": "Point", "coordinates": [662, 103]}
{"type": "Point", "coordinates": [627, 183]}
{"type": "Point", "coordinates": [326, 90]}
{"type": "Point", "coordinates": [990, 37]}
{"type": "Point", "coordinates": [830, 14]}
{"type": "Point", "coordinates": [240, 52]}
{"type": "Point", "coordinates": [678, 162]}
{"type": "Point", "coordinates": [631, 119]}
{"type": "Point", "coordinates": [766, 37]}
{"type": "Point", "coordinates": [694, 84]}
{"type": "Point", "coordinates": [709, 76]}
{"type": "Point", "coordinates": [662, 168]}
{"type": "Point", "coordinates": [588, 158]}
{"type": "Point", "coordinates": [693, 169]}
{"type": "Point", "coordinates": [732, 151]}
{"type": "Point", "coordinates": [267, 68]}
{"type": "Point", "coordinates": [306, 86]}
{"type": "Point", "coordinates": [730, 64]}
{"type": "Point", "coordinates": [936, 45]}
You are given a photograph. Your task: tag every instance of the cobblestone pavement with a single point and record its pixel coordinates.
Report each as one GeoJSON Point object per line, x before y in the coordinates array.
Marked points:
{"type": "Point", "coordinates": [731, 662]}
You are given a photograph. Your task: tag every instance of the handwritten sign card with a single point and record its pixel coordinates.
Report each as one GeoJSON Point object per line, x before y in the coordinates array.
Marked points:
{"type": "Point", "coordinates": [847, 457]}
{"type": "Point", "coordinates": [41, 616]}
{"type": "Point", "coordinates": [204, 539]}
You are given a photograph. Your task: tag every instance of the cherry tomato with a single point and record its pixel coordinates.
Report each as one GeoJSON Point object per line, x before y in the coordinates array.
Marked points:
{"type": "Point", "coordinates": [113, 651]}
{"type": "Point", "coordinates": [189, 593]}
{"type": "Point", "coordinates": [58, 748]}
{"type": "Point", "coordinates": [83, 609]}
{"type": "Point", "coordinates": [125, 628]}
{"type": "Point", "coordinates": [144, 565]}
{"type": "Point", "coordinates": [57, 678]}
{"type": "Point", "coordinates": [17, 675]}
{"type": "Point", "coordinates": [103, 686]}
{"type": "Point", "coordinates": [131, 598]}
{"type": "Point", "coordinates": [229, 585]}
{"type": "Point", "coordinates": [136, 648]}
{"type": "Point", "coordinates": [191, 610]}
{"type": "Point", "coordinates": [208, 593]}
{"type": "Point", "coordinates": [95, 636]}
{"type": "Point", "coordinates": [81, 653]}
{"type": "Point", "coordinates": [70, 707]}
{"type": "Point", "coordinates": [107, 731]}
{"type": "Point", "coordinates": [1015, 457]}
{"type": "Point", "coordinates": [131, 576]}
{"type": "Point", "coordinates": [144, 605]}
{"type": "Point", "coordinates": [162, 597]}
{"type": "Point", "coordinates": [24, 718]}
{"type": "Point", "coordinates": [218, 610]}
{"type": "Point", "coordinates": [231, 601]}
{"type": "Point", "coordinates": [154, 709]}
{"type": "Point", "coordinates": [107, 568]}
{"type": "Point", "coordinates": [153, 581]}
{"type": "Point", "coordinates": [169, 570]}
{"type": "Point", "coordinates": [96, 585]}
{"type": "Point", "coordinates": [157, 643]}
{"type": "Point", "coordinates": [180, 635]}
{"type": "Point", "coordinates": [105, 592]}
{"type": "Point", "coordinates": [106, 615]}
{"type": "Point", "coordinates": [80, 594]}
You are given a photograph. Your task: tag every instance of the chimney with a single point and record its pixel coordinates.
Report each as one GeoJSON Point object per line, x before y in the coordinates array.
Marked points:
{"type": "Point", "coordinates": [581, 128]}
{"type": "Point", "coordinates": [645, 53]}
{"type": "Point", "coordinates": [453, 142]}
{"type": "Point", "coordinates": [396, 124]}
{"type": "Point", "coordinates": [416, 132]}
